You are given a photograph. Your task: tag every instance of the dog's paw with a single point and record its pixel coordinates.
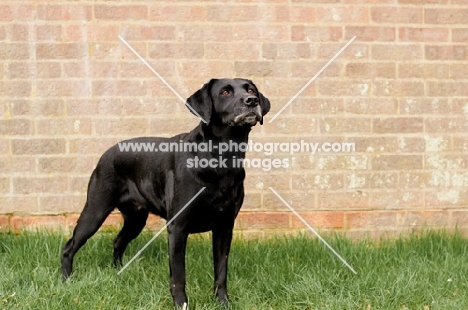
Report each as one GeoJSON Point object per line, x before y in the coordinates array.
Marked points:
{"type": "Point", "coordinates": [185, 306]}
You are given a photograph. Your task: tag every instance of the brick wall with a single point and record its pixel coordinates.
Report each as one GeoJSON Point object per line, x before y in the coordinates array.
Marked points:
{"type": "Point", "coordinates": [69, 89]}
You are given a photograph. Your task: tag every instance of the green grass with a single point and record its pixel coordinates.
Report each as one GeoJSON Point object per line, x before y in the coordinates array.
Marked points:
{"type": "Point", "coordinates": [426, 271]}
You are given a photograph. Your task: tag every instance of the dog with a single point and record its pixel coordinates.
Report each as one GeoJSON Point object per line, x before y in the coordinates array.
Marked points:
{"type": "Point", "coordinates": [140, 182]}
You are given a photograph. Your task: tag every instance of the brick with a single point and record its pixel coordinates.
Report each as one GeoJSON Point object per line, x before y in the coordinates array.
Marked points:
{"type": "Point", "coordinates": [315, 1]}
{"type": "Point", "coordinates": [15, 88]}
{"type": "Point", "coordinates": [334, 200]}
{"type": "Point", "coordinates": [394, 15]}
{"type": "Point", "coordinates": [371, 144]}
{"type": "Point", "coordinates": [370, 34]}
{"type": "Point", "coordinates": [409, 70]}
{"type": "Point", "coordinates": [120, 12]}
{"type": "Point", "coordinates": [148, 33]}
{"type": "Point", "coordinates": [119, 88]}
{"type": "Point", "coordinates": [450, 162]}
{"type": "Point", "coordinates": [459, 35]}
{"type": "Point", "coordinates": [2, 33]}
{"type": "Point", "coordinates": [33, 223]}
{"type": "Point", "coordinates": [306, 182]}
{"type": "Point", "coordinates": [70, 126]}
{"type": "Point", "coordinates": [371, 106]}
{"type": "Point", "coordinates": [260, 33]}
{"type": "Point", "coordinates": [263, 220]}
{"type": "Point", "coordinates": [18, 205]}
{"type": "Point", "coordinates": [423, 34]}
{"type": "Point", "coordinates": [342, 162]}
{"type": "Point", "coordinates": [66, 164]}
{"type": "Point", "coordinates": [354, 51]}
{"type": "Point", "coordinates": [348, 14]}
{"type": "Point", "coordinates": [445, 124]}
{"type": "Point", "coordinates": [49, 32]}
{"type": "Point", "coordinates": [382, 88]}
{"type": "Point", "coordinates": [424, 106]}
{"type": "Point", "coordinates": [232, 13]}
{"type": "Point", "coordinates": [57, 204]}
{"type": "Point", "coordinates": [182, 13]}
{"type": "Point", "coordinates": [16, 12]}
{"type": "Point", "coordinates": [35, 185]}
{"type": "Point", "coordinates": [397, 200]}
{"type": "Point", "coordinates": [206, 69]}
{"type": "Point", "coordinates": [19, 32]}
{"type": "Point", "coordinates": [457, 71]}
{"type": "Point", "coordinates": [17, 164]}
{"type": "Point", "coordinates": [92, 32]}
{"type": "Point", "coordinates": [177, 50]}
{"type": "Point", "coordinates": [300, 201]}
{"type": "Point", "coordinates": [61, 50]}
{"type": "Point", "coordinates": [353, 88]}
{"type": "Point", "coordinates": [380, 220]}
{"type": "Point", "coordinates": [4, 185]}
{"type": "Point", "coordinates": [319, 220]}
{"type": "Point", "coordinates": [346, 125]}
{"type": "Point", "coordinates": [459, 218]}
{"type": "Point", "coordinates": [48, 70]}
{"type": "Point", "coordinates": [4, 223]}
{"type": "Point", "coordinates": [447, 89]}
{"type": "Point", "coordinates": [316, 34]}
{"type": "Point", "coordinates": [397, 162]}
{"type": "Point", "coordinates": [369, 70]}
{"type": "Point", "coordinates": [318, 106]}
{"type": "Point", "coordinates": [397, 52]}
{"type": "Point", "coordinates": [38, 146]}
{"type": "Point", "coordinates": [445, 16]}
{"type": "Point", "coordinates": [64, 12]}
{"type": "Point", "coordinates": [373, 180]}
{"type": "Point", "coordinates": [14, 51]}
{"type": "Point", "coordinates": [63, 88]}
{"type": "Point", "coordinates": [446, 198]}
{"type": "Point", "coordinates": [128, 126]}
{"type": "Point", "coordinates": [288, 50]}
{"type": "Point", "coordinates": [261, 68]}
{"type": "Point", "coordinates": [419, 2]}
{"type": "Point", "coordinates": [398, 125]}
{"type": "Point", "coordinates": [233, 50]}
{"type": "Point", "coordinates": [15, 127]}
{"type": "Point", "coordinates": [204, 33]}
{"type": "Point", "coordinates": [77, 184]}
{"type": "Point", "coordinates": [411, 145]}
{"type": "Point", "coordinates": [90, 146]}
{"type": "Point", "coordinates": [308, 69]}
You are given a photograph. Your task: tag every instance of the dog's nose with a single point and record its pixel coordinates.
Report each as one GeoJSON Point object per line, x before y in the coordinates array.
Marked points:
{"type": "Point", "coordinates": [251, 101]}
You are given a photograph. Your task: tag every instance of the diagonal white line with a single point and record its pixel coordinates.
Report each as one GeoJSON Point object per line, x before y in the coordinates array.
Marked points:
{"type": "Point", "coordinates": [313, 230]}
{"type": "Point", "coordinates": [161, 78]}
{"type": "Point", "coordinates": [160, 231]}
{"type": "Point", "coordinates": [312, 79]}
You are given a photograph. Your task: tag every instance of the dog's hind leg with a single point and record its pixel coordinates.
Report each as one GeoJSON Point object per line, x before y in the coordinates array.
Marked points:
{"type": "Point", "coordinates": [99, 205]}
{"type": "Point", "coordinates": [134, 221]}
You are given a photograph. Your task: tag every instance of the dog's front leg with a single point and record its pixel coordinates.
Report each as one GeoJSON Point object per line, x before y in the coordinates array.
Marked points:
{"type": "Point", "coordinates": [221, 245]}
{"type": "Point", "coordinates": [177, 246]}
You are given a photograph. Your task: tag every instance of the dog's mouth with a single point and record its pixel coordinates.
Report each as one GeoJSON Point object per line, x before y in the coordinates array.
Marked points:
{"type": "Point", "coordinates": [248, 118]}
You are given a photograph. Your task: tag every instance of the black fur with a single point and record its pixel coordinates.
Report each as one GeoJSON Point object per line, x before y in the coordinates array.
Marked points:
{"type": "Point", "coordinates": [137, 183]}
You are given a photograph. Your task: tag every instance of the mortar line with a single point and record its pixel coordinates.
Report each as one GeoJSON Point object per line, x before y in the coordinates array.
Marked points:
{"type": "Point", "coordinates": [313, 230]}
{"type": "Point", "coordinates": [312, 79]}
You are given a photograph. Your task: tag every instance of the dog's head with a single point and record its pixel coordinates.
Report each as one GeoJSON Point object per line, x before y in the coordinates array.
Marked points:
{"type": "Point", "coordinates": [232, 102]}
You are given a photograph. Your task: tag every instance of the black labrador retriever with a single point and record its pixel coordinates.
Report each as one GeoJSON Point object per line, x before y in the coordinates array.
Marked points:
{"type": "Point", "coordinates": [139, 182]}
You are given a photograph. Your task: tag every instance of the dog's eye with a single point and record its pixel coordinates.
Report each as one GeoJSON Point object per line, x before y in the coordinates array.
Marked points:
{"type": "Point", "coordinates": [251, 91]}
{"type": "Point", "coordinates": [225, 93]}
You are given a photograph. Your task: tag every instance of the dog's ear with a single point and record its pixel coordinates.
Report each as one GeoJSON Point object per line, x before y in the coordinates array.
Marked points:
{"type": "Point", "coordinates": [200, 103]}
{"type": "Point", "coordinates": [264, 103]}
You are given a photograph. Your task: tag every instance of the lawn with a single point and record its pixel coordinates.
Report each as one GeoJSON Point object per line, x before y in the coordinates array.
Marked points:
{"type": "Point", "coordinates": [425, 271]}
